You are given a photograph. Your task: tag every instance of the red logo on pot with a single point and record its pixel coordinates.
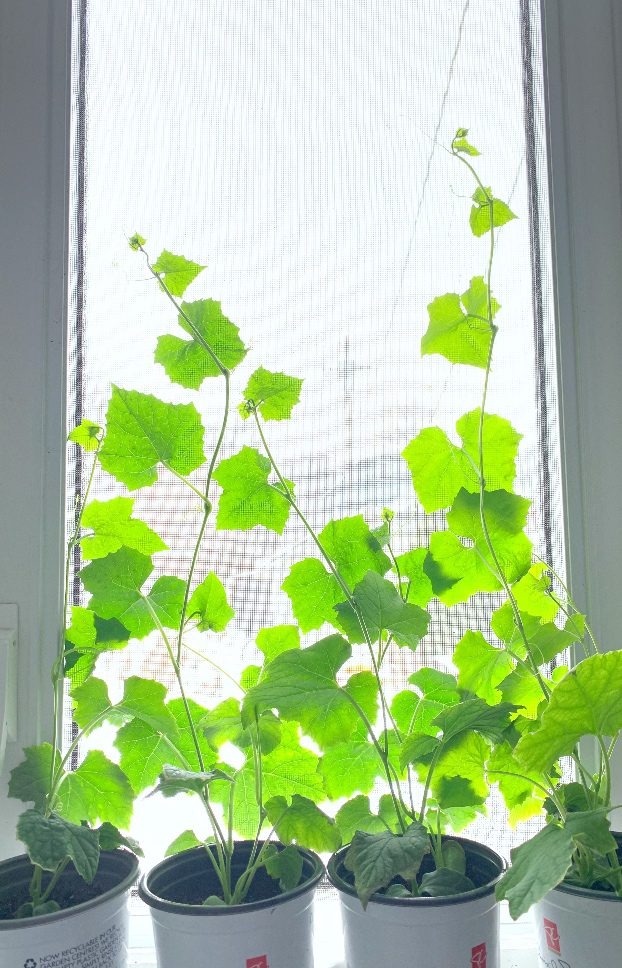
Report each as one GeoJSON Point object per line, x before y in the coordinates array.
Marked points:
{"type": "Point", "coordinates": [478, 956]}
{"type": "Point", "coordinates": [261, 961]}
{"type": "Point", "coordinates": [552, 936]}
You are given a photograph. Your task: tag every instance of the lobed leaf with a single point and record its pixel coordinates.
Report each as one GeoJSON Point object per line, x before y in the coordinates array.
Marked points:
{"type": "Point", "coordinates": [176, 271]}
{"type": "Point", "coordinates": [273, 394]}
{"type": "Point", "coordinates": [187, 362]}
{"type": "Point", "coordinates": [247, 498]}
{"type": "Point", "coordinates": [303, 823]}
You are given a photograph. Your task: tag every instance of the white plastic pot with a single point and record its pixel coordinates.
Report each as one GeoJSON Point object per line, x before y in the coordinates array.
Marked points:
{"type": "Point", "coordinates": [461, 931]}
{"type": "Point", "coordinates": [275, 931]}
{"type": "Point", "coordinates": [579, 928]}
{"type": "Point", "coordinates": [92, 934]}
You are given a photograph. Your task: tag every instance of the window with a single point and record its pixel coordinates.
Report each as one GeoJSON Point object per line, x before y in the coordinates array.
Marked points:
{"type": "Point", "coordinates": [297, 151]}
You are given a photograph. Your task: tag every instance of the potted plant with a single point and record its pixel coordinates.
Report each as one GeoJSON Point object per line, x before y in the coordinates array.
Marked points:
{"type": "Point", "coordinates": [250, 897]}
{"type": "Point", "coordinates": [69, 890]}
{"type": "Point", "coordinates": [425, 890]}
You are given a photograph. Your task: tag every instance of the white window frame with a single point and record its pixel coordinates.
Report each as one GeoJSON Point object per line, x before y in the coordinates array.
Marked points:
{"type": "Point", "coordinates": [583, 67]}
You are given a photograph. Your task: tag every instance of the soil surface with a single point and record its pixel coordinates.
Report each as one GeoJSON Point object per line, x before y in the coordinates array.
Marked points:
{"type": "Point", "coordinates": [69, 891]}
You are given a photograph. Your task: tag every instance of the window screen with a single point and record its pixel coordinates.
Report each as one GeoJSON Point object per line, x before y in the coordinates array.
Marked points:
{"type": "Point", "coordinates": [296, 148]}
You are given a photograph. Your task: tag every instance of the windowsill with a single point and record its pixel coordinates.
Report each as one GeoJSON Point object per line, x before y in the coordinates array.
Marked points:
{"type": "Point", "coordinates": [517, 938]}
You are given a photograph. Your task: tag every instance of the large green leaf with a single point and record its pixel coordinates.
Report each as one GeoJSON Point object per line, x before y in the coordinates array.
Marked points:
{"type": "Point", "coordinates": [223, 724]}
{"type": "Point", "coordinates": [30, 780]}
{"type": "Point", "coordinates": [303, 823]}
{"type": "Point", "coordinates": [247, 498]}
{"type": "Point", "coordinates": [114, 527]}
{"type": "Point", "coordinates": [538, 866]}
{"type": "Point", "coordinates": [187, 362]}
{"type": "Point", "coordinates": [500, 446]}
{"type": "Point", "coordinates": [382, 609]}
{"type": "Point", "coordinates": [588, 701]}
{"type": "Point", "coordinates": [458, 328]}
{"type": "Point", "coordinates": [481, 666]}
{"type": "Point", "coordinates": [142, 432]}
{"type": "Point", "coordinates": [91, 702]}
{"type": "Point", "coordinates": [480, 218]}
{"type": "Point", "coordinates": [376, 859]}
{"type": "Point", "coordinates": [313, 592]}
{"type": "Point", "coordinates": [445, 882]}
{"type": "Point", "coordinates": [116, 583]}
{"type": "Point", "coordinates": [144, 699]}
{"type": "Point", "coordinates": [87, 637]}
{"type": "Point", "coordinates": [287, 770]}
{"type": "Point", "coordinates": [532, 594]}
{"type": "Point", "coordinates": [438, 468]}
{"type": "Point", "coordinates": [176, 271]}
{"type": "Point", "coordinates": [476, 715]}
{"type": "Point", "coordinates": [455, 571]}
{"type": "Point", "coordinates": [415, 582]}
{"type": "Point", "coordinates": [51, 840]}
{"type": "Point", "coordinates": [459, 779]}
{"type": "Point", "coordinates": [351, 546]}
{"type": "Point", "coordinates": [273, 394]}
{"type": "Point", "coordinates": [208, 605]}
{"type": "Point", "coordinates": [280, 638]}
{"type": "Point", "coordinates": [350, 767]}
{"type": "Point", "coordinates": [185, 841]}
{"type": "Point", "coordinates": [356, 815]}
{"type": "Point", "coordinates": [521, 795]}
{"type": "Point", "coordinates": [97, 790]}
{"type": "Point", "coordinates": [302, 685]}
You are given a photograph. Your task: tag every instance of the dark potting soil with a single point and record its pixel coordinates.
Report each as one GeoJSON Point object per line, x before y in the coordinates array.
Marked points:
{"type": "Point", "coordinates": [69, 891]}
{"type": "Point", "coordinates": [195, 890]}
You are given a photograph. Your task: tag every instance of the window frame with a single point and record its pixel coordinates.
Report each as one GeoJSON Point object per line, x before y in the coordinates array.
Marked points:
{"type": "Point", "coordinates": [583, 68]}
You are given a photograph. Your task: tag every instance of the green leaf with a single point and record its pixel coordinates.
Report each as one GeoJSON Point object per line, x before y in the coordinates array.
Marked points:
{"type": "Point", "coordinates": [418, 748]}
{"type": "Point", "coordinates": [353, 549]}
{"type": "Point", "coordinates": [50, 840]}
{"type": "Point", "coordinates": [247, 498]}
{"type": "Point", "coordinates": [302, 685]}
{"type": "Point", "coordinates": [382, 610]}
{"type": "Point", "coordinates": [591, 829]}
{"type": "Point", "coordinates": [176, 272]}
{"type": "Point", "coordinates": [376, 859]}
{"type": "Point", "coordinates": [303, 823]}
{"type": "Point", "coordinates": [116, 582]}
{"type": "Point", "coordinates": [174, 780]}
{"type": "Point", "coordinates": [88, 636]}
{"type": "Point", "coordinates": [356, 815]}
{"type": "Point", "coordinates": [531, 594]}
{"type": "Point", "coordinates": [90, 702]}
{"type": "Point", "coordinates": [435, 685]}
{"type": "Point", "coordinates": [461, 145]}
{"type": "Point", "coordinates": [137, 241]}
{"type": "Point", "coordinates": [459, 779]}
{"type": "Point", "coordinates": [444, 882]}
{"type": "Point", "coordinates": [249, 677]}
{"type": "Point", "coordinates": [285, 866]}
{"type": "Point", "coordinates": [481, 666]}
{"type": "Point", "coordinates": [313, 592]}
{"type": "Point", "coordinates": [185, 841]}
{"type": "Point", "coordinates": [474, 714]}
{"type": "Point", "coordinates": [144, 699]}
{"type": "Point", "coordinates": [113, 528]}
{"type": "Point", "coordinates": [350, 767]}
{"type": "Point", "coordinates": [209, 604]}
{"type": "Point", "coordinates": [459, 329]}
{"type": "Point", "coordinates": [30, 780]}
{"type": "Point", "coordinates": [457, 572]}
{"type": "Point", "coordinates": [480, 218]}
{"type": "Point", "coordinates": [438, 468]}
{"type": "Point", "coordinates": [538, 866]}
{"type": "Point", "coordinates": [142, 432]}
{"type": "Point", "coordinates": [280, 638]}
{"type": "Point", "coordinates": [522, 798]}
{"type": "Point", "coordinates": [454, 856]}
{"type": "Point", "coordinates": [588, 701]}
{"type": "Point", "coordinates": [363, 688]}
{"type": "Point", "coordinates": [187, 362]}
{"type": "Point", "coordinates": [86, 435]}
{"type": "Point", "coordinates": [287, 770]}
{"type": "Point", "coordinates": [500, 446]}
{"type": "Point", "coordinates": [110, 838]}
{"type": "Point", "coordinates": [273, 394]}
{"type": "Point", "coordinates": [418, 585]}
{"type": "Point", "coordinates": [97, 790]}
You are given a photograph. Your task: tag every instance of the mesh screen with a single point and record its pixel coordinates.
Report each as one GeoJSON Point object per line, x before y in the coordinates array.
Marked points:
{"type": "Point", "coordinates": [296, 149]}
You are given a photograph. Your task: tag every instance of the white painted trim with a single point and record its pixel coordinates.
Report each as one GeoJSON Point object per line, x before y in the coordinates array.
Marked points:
{"type": "Point", "coordinates": [583, 43]}
{"type": "Point", "coordinates": [34, 121]}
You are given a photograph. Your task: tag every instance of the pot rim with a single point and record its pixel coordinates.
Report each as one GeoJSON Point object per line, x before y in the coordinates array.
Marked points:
{"type": "Point", "coordinates": [197, 910]}
{"type": "Point", "coordinates": [16, 924]}
{"type": "Point", "coordinates": [484, 891]}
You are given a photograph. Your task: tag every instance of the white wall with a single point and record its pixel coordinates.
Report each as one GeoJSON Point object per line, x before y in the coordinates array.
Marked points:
{"type": "Point", "coordinates": [33, 202]}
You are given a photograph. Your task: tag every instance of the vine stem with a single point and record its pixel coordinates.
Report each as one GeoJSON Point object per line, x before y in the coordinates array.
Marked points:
{"type": "Point", "coordinates": [386, 714]}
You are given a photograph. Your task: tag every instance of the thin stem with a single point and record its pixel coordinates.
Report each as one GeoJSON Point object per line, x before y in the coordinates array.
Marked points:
{"type": "Point", "coordinates": [223, 672]}
{"type": "Point", "coordinates": [184, 480]}
{"type": "Point", "coordinates": [54, 880]}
